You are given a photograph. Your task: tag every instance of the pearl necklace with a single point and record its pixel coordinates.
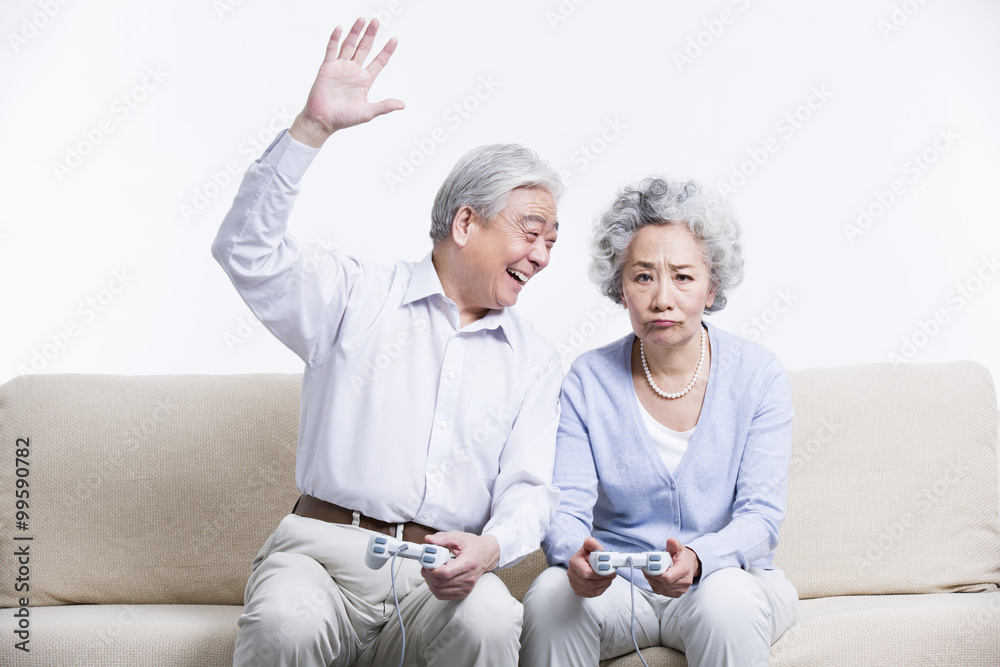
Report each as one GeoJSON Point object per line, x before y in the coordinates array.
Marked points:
{"type": "Point", "coordinates": [697, 371]}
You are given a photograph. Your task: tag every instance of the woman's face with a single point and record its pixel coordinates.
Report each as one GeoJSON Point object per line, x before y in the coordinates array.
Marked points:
{"type": "Point", "coordinates": [665, 284]}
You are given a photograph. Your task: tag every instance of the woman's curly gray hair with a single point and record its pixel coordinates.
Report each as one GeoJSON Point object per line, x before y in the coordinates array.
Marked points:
{"type": "Point", "coordinates": [659, 201]}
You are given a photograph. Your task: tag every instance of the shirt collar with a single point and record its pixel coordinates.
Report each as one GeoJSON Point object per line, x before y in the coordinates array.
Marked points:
{"type": "Point", "coordinates": [424, 282]}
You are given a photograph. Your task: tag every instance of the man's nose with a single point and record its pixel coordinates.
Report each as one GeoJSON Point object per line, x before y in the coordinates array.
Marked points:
{"type": "Point", "coordinates": [539, 255]}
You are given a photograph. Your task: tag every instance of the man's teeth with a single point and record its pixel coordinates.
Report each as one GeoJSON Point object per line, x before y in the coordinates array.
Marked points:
{"type": "Point", "coordinates": [518, 276]}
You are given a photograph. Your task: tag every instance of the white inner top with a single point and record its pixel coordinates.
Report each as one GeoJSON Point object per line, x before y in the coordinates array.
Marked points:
{"type": "Point", "coordinates": [670, 444]}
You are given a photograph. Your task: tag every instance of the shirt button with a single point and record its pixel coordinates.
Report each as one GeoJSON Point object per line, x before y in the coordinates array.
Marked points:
{"type": "Point", "coordinates": [672, 486]}
{"type": "Point", "coordinates": [677, 519]}
{"type": "Point", "coordinates": [426, 515]}
{"type": "Point", "coordinates": [451, 376]}
{"type": "Point", "coordinates": [443, 424]}
{"type": "Point", "coordinates": [435, 470]}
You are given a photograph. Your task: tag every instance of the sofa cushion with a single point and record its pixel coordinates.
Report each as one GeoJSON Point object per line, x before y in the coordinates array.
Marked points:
{"type": "Point", "coordinates": [148, 490]}
{"type": "Point", "coordinates": [873, 631]}
{"type": "Point", "coordinates": [893, 481]}
{"type": "Point", "coordinates": [188, 635]}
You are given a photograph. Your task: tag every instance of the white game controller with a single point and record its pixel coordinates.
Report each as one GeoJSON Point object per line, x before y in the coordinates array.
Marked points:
{"type": "Point", "coordinates": [382, 547]}
{"type": "Point", "coordinates": [652, 562]}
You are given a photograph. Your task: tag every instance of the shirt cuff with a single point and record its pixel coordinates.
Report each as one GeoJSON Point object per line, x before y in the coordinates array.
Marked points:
{"type": "Point", "coordinates": [288, 156]}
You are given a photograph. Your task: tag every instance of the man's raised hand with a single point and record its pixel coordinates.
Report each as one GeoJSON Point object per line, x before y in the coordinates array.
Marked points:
{"type": "Point", "coordinates": [339, 96]}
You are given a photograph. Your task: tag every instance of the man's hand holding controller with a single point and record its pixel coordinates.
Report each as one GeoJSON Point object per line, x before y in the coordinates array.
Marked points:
{"type": "Point", "coordinates": [381, 548]}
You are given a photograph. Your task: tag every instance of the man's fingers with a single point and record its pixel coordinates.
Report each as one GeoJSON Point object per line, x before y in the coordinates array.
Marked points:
{"type": "Point", "coordinates": [333, 45]}
{"type": "Point", "coordinates": [382, 58]}
{"type": "Point", "coordinates": [365, 46]}
{"type": "Point", "coordinates": [351, 41]}
{"type": "Point", "coordinates": [385, 106]}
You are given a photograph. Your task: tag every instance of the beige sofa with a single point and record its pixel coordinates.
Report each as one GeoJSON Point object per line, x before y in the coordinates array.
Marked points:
{"type": "Point", "coordinates": [149, 496]}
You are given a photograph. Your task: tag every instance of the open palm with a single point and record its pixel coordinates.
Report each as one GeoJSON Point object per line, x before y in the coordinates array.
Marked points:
{"type": "Point", "coordinates": [339, 96]}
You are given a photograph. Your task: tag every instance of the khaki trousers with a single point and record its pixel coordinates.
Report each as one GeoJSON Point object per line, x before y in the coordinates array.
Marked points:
{"type": "Point", "coordinates": [730, 618]}
{"type": "Point", "coordinates": [311, 600]}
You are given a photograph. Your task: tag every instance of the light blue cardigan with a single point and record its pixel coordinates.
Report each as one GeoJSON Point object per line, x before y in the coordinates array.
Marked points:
{"type": "Point", "coordinates": [726, 499]}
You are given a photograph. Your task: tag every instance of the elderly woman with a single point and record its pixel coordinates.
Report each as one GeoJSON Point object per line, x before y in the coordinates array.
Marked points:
{"type": "Point", "coordinates": [674, 438]}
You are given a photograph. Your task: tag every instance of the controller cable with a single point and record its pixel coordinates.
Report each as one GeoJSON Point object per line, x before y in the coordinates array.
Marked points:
{"type": "Point", "coordinates": [631, 590]}
{"type": "Point", "coordinates": [395, 600]}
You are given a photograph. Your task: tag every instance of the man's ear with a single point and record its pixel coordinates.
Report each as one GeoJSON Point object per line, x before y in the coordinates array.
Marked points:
{"type": "Point", "coordinates": [462, 224]}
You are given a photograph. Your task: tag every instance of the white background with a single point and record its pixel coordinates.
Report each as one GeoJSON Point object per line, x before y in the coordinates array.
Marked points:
{"type": "Point", "coordinates": [118, 122]}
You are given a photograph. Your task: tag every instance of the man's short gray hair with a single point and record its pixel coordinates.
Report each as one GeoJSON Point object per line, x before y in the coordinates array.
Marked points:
{"type": "Point", "coordinates": [659, 201]}
{"type": "Point", "coordinates": [483, 180]}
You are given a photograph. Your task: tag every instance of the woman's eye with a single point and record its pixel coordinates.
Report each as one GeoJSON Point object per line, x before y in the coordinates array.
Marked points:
{"type": "Point", "coordinates": [683, 278]}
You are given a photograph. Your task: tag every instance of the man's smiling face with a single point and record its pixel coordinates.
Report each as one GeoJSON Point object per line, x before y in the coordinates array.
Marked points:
{"type": "Point", "coordinates": [502, 257]}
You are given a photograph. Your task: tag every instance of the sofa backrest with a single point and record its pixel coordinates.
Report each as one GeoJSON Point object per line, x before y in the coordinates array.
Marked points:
{"type": "Point", "coordinates": [146, 489]}
{"type": "Point", "coordinates": [162, 489]}
{"type": "Point", "coordinates": [893, 481]}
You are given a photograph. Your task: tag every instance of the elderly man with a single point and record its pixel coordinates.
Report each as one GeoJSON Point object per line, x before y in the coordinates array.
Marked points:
{"type": "Point", "coordinates": [450, 442]}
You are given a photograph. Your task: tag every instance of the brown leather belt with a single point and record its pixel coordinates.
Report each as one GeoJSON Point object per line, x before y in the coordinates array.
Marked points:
{"type": "Point", "coordinates": [314, 508]}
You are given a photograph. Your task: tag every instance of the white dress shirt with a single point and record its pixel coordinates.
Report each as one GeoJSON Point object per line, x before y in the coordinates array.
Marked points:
{"type": "Point", "coordinates": [405, 415]}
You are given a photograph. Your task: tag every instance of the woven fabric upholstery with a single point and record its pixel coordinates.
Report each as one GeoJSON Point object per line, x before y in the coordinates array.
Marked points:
{"type": "Point", "coordinates": [893, 481]}
{"type": "Point", "coordinates": [151, 495]}
{"type": "Point", "coordinates": [148, 490]}
{"type": "Point", "coordinates": [70, 635]}
{"type": "Point", "coordinates": [875, 631]}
